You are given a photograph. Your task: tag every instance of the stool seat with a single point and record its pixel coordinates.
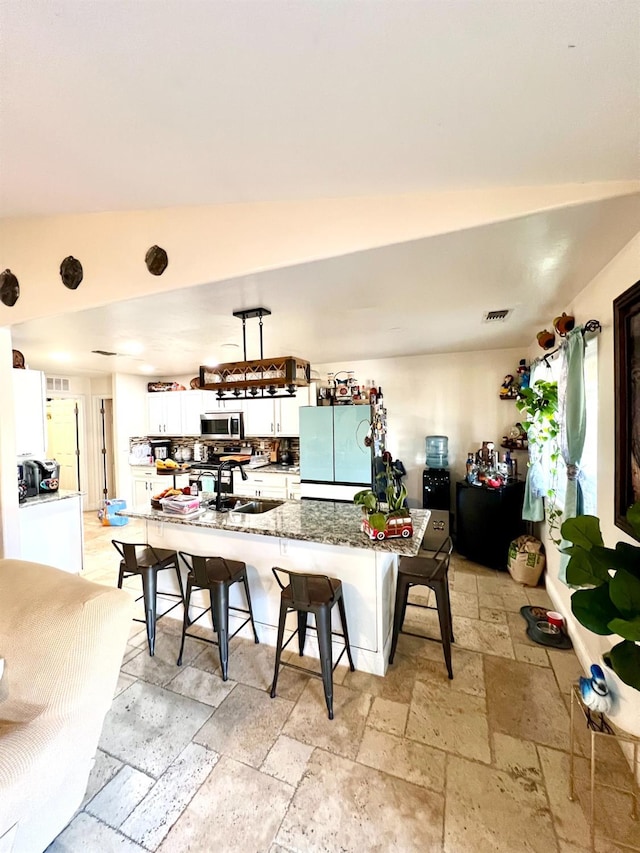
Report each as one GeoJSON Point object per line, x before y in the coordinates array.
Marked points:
{"type": "Point", "coordinates": [220, 570]}
{"type": "Point", "coordinates": [216, 574]}
{"type": "Point", "coordinates": [315, 594]}
{"type": "Point", "coordinates": [432, 572]}
{"type": "Point", "coordinates": [319, 592]}
{"type": "Point", "coordinates": [147, 560]}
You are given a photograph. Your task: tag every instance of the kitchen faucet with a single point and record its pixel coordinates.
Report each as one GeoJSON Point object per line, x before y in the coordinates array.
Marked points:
{"type": "Point", "coordinates": [227, 465]}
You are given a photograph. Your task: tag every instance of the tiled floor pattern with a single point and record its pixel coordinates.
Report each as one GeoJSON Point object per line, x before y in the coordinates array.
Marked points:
{"type": "Point", "coordinates": [411, 762]}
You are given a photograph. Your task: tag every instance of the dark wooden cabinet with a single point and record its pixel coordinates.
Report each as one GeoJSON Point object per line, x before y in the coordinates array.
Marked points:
{"type": "Point", "coordinates": [487, 520]}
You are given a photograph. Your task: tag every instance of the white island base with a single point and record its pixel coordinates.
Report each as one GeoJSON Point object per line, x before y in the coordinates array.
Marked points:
{"type": "Point", "coordinates": [368, 577]}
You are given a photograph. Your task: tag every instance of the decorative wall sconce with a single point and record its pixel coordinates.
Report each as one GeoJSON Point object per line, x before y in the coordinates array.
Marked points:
{"type": "Point", "coordinates": [156, 260]}
{"type": "Point", "coordinates": [9, 288]}
{"type": "Point", "coordinates": [564, 324]}
{"type": "Point", "coordinates": [71, 272]}
{"type": "Point", "coordinates": [546, 339]}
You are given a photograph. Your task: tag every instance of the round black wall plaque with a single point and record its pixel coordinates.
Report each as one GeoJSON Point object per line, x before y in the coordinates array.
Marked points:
{"type": "Point", "coordinates": [9, 288]}
{"type": "Point", "coordinates": [156, 260]}
{"type": "Point", "coordinates": [71, 272]}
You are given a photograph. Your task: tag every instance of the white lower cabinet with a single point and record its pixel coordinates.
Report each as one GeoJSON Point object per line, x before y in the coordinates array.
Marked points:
{"type": "Point", "coordinates": [146, 484]}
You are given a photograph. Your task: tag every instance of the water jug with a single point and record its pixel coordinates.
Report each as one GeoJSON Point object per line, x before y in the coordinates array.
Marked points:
{"type": "Point", "coordinates": [437, 447]}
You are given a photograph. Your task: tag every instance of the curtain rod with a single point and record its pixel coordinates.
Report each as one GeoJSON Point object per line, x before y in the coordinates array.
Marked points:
{"type": "Point", "coordinates": [591, 327]}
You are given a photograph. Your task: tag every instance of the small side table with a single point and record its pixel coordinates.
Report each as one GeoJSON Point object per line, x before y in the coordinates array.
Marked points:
{"type": "Point", "coordinates": [634, 742]}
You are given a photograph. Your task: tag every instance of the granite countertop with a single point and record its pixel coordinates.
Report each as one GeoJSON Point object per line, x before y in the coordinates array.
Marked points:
{"type": "Point", "coordinates": [272, 468]}
{"type": "Point", "coordinates": [48, 497]}
{"type": "Point", "coordinates": [325, 522]}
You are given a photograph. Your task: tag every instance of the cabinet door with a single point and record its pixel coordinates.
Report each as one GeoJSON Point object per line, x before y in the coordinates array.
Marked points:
{"type": "Point", "coordinates": [293, 488]}
{"type": "Point", "coordinates": [352, 458]}
{"type": "Point", "coordinates": [192, 408]}
{"type": "Point", "coordinates": [156, 412]}
{"type": "Point", "coordinates": [173, 412]}
{"type": "Point", "coordinates": [141, 493]}
{"type": "Point", "coordinates": [259, 418]}
{"type": "Point", "coordinates": [288, 416]}
{"type": "Point", "coordinates": [28, 387]}
{"type": "Point", "coordinates": [316, 443]}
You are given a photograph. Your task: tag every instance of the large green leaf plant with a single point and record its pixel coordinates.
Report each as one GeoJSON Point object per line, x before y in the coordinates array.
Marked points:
{"type": "Point", "coordinates": [609, 601]}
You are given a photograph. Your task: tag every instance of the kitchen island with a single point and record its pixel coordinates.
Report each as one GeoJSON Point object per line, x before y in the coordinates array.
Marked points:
{"type": "Point", "coordinates": [305, 536]}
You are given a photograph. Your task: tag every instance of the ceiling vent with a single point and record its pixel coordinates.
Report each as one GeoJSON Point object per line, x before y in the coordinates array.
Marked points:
{"type": "Point", "coordinates": [496, 316]}
{"type": "Point", "coordinates": [103, 352]}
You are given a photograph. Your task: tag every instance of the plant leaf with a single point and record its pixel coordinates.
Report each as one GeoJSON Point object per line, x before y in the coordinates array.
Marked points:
{"type": "Point", "coordinates": [624, 659]}
{"type": "Point", "coordinates": [624, 591]}
{"type": "Point", "coordinates": [594, 609]}
{"type": "Point", "coordinates": [629, 629]}
{"type": "Point", "coordinates": [629, 558]}
{"type": "Point", "coordinates": [583, 530]}
{"type": "Point", "coordinates": [377, 520]}
{"type": "Point", "coordinates": [582, 570]}
{"type": "Point", "coordinates": [633, 517]}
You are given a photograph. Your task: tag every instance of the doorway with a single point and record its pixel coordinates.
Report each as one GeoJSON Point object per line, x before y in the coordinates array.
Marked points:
{"type": "Point", "coordinates": [63, 440]}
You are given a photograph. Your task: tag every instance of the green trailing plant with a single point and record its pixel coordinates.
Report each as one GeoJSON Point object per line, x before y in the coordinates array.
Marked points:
{"type": "Point", "coordinates": [609, 601]}
{"type": "Point", "coordinates": [388, 480]}
{"type": "Point", "coordinates": [539, 403]}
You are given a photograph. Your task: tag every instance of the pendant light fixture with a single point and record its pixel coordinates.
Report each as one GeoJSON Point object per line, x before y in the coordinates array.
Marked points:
{"type": "Point", "coordinates": [259, 378]}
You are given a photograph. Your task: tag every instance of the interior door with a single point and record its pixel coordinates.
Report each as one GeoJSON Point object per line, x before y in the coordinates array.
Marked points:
{"type": "Point", "coordinates": [62, 440]}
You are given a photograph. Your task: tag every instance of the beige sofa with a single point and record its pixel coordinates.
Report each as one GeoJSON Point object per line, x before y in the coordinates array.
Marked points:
{"type": "Point", "coordinates": [62, 639]}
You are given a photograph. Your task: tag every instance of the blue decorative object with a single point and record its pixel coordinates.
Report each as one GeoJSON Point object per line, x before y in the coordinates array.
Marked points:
{"type": "Point", "coordinates": [594, 691]}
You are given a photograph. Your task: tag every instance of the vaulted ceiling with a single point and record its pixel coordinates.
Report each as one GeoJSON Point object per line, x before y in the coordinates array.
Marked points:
{"type": "Point", "coordinates": [111, 106]}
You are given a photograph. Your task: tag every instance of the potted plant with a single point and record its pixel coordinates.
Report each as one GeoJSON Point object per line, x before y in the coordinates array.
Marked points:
{"type": "Point", "coordinates": [609, 600]}
{"type": "Point", "coordinates": [539, 404]}
{"type": "Point", "coordinates": [384, 508]}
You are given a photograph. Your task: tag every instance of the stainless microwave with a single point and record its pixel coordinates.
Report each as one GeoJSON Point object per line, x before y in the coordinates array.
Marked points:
{"type": "Point", "coordinates": [222, 424]}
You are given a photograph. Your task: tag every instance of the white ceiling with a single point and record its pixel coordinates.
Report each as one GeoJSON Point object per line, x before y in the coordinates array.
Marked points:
{"type": "Point", "coordinates": [161, 103]}
{"type": "Point", "coordinates": [126, 105]}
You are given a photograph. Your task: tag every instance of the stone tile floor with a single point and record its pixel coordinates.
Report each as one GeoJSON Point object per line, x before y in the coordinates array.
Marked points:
{"type": "Point", "coordinates": [411, 762]}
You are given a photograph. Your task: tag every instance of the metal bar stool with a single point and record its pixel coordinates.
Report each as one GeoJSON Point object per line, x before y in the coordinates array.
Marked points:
{"type": "Point", "coordinates": [146, 561]}
{"type": "Point", "coordinates": [434, 573]}
{"type": "Point", "coordinates": [216, 574]}
{"type": "Point", "coordinates": [307, 593]}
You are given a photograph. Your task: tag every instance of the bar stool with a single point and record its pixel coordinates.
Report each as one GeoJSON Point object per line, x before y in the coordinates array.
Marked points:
{"type": "Point", "coordinates": [434, 573]}
{"type": "Point", "coordinates": [216, 574]}
{"type": "Point", "coordinates": [146, 561]}
{"type": "Point", "coordinates": [307, 593]}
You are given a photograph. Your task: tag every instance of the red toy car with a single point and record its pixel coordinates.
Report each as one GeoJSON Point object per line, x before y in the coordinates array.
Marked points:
{"type": "Point", "coordinates": [395, 525]}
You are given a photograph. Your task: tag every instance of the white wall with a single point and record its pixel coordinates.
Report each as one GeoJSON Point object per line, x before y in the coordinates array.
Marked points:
{"type": "Point", "coordinates": [9, 527]}
{"type": "Point", "coordinates": [456, 395]}
{"type": "Point", "coordinates": [596, 302]}
{"type": "Point", "coordinates": [130, 418]}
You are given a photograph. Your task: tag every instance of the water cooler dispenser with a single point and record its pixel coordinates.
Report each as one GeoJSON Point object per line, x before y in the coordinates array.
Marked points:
{"type": "Point", "coordinates": [436, 491]}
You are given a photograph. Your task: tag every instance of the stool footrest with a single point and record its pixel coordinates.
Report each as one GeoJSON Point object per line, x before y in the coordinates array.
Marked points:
{"type": "Point", "coordinates": [312, 671]}
{"type": "Point", "coordinates": [215, 642]}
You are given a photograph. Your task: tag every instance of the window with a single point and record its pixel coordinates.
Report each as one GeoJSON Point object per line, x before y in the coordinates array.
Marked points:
{"type": "Point", "coordinates": [589, 462]}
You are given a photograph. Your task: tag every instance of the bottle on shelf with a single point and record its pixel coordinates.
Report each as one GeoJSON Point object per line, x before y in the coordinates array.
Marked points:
{"type": "Point", "coordinates": [373, 395]}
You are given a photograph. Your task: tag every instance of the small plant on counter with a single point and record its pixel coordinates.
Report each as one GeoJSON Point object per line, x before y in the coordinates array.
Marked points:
{"type": "Point", "coordinates": [609, 601]}
{"type": "Point", "coordinates": [392, 505]}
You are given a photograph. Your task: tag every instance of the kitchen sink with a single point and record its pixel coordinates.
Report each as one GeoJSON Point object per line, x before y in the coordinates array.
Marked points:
{"type": "Point", "coordinates": [232, 503]}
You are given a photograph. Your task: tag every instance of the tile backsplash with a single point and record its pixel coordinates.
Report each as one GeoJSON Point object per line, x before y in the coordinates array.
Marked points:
{"type": "Point", "coordinates": [249, 445]}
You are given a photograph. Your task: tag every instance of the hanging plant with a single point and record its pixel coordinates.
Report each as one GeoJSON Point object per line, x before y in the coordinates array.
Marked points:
{"type": "Point", "coordinates": [539, 404]}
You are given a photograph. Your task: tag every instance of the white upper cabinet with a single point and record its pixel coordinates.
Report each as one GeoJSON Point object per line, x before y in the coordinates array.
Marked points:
{"type": "Point", "coordinates": [165, 413]}
{"type": "Point", "coordinates": [279, 417]}
{"type": "Point", "coordinates": [28, 388]}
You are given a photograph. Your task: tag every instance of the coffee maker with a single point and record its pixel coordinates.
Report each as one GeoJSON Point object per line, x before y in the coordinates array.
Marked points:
{"type": "Point", "coordinates": [30, 476]}
{"type": "Point", "coordinates": [49, 475]}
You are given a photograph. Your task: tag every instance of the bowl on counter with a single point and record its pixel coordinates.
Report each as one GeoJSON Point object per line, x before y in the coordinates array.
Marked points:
{"type": "Point", "coordinates": [50, 484]}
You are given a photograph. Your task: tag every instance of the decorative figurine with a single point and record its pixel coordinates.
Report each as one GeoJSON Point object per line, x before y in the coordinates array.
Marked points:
{"type": "Point", "coordinates": [523, 373]}
{"type": "Point", "coordinates": [594, 691]}
{"type": "Point", "coordinates": [506, 389]}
